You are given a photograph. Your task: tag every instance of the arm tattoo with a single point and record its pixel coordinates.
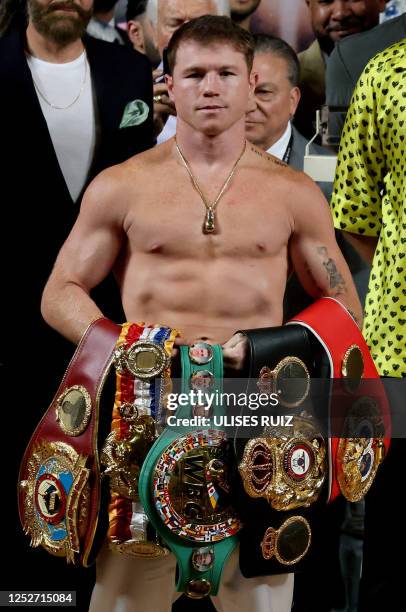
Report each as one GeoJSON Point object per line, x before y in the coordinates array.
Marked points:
{"type": "Point", "coordinates": [336, 281]}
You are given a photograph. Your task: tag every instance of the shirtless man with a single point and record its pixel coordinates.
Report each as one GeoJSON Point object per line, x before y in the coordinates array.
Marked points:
{"type": "Point", "coordinates": [144, 219]}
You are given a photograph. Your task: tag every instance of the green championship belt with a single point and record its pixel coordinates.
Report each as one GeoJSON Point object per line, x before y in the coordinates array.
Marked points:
{"type": "Point", "coordinates": [183, 484]}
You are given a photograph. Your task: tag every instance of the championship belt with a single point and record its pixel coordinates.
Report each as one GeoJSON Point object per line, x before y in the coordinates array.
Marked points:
{"type": "Point", "coordinates": [359, 411]}
{"type": "Point", "coordinates": [59, 481]}
{"type": "Point", "coordinates": [283, 469]}
{"type": "Point", "coordinates": [142, 359]}
{"type": "Point", "coordinates": [184, 484]}
{"type": "Point", "coordinates": [284, 465]}
{"type": "Point", "coordinates": [294, 473]}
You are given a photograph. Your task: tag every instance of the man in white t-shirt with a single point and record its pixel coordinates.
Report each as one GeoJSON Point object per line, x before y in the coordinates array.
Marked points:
{"type": "Point", "coordinates": [60, 72]}
{"type": "Point", "coordinates": [69, 107]}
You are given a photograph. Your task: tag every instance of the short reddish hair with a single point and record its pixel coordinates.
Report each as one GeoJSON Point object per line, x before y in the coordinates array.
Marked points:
{"type": "Point", "coordinates": [209, 30]}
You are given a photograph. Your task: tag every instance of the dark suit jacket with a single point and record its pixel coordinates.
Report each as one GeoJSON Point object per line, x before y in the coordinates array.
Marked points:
{"type": "Point", "coordinates": [351, 55]}
{"type": "Point", "coordinates": [37, 209]}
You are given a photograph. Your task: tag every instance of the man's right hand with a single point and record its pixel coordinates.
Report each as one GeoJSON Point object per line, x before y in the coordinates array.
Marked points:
{"type": "Point", "coordinates": [163, 106]}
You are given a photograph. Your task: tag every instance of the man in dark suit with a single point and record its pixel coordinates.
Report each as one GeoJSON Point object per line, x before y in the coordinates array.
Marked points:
{"type": "Point", "coordinates": [69, 107]}
{"type": "Point", "coordinates": [268, 125]}
{"type": "Point", "coordinates": [277, 96]}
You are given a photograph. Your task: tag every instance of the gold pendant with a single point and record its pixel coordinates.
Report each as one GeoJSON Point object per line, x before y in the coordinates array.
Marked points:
{"type": "Point", "coordinates": [209, 222]}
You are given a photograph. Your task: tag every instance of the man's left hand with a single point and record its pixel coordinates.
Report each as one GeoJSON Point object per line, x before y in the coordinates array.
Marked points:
{"type": "Point", "coordinates": [234, 351]}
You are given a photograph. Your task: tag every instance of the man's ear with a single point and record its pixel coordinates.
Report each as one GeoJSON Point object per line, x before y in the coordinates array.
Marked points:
{"type": "Point", "coordinates": [135, 33]}
{"type": "Point", "coordinates": [294, 99]}
{"type": "Point", "coordinates": [169, 83]}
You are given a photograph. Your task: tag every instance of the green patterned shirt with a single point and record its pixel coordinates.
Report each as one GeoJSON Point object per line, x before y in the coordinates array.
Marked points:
{"type": "Point", "coordinates": [369, 198]}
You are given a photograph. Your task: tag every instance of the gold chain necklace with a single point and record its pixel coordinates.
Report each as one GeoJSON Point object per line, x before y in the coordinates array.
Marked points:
{"type": "Point", "coordinates": [71, 103]}
{"type": "Point", "coordinates": [209, 225]}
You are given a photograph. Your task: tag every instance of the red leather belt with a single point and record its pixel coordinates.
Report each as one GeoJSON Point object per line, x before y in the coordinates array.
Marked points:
{"type": "Point", "coordinates": [59, 481]}
{"type": "Point", "coordinates": [357, 396]}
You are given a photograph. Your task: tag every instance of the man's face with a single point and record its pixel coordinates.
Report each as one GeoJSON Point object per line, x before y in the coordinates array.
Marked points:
{"type": "Point", "coordinates": [241, 9]}
{"type": "Point", "coordinates": [335, 19]}
{"type": "Point", "coordinates": [210, 86]}
{"type": "Point", "coordinates": [174, 13]}
{"type": "Point", "coordinates": [60, 21]}
{"type": "Point", "coordinates": [273, 103]}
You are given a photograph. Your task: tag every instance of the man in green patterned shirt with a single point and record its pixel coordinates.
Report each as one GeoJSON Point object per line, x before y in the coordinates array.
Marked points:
{"type": "Point", "coordinates": [369, 198]}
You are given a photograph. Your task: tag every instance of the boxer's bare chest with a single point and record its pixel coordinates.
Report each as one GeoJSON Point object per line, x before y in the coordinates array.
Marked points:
{"type": "Point", "coordinates": [167, 218]}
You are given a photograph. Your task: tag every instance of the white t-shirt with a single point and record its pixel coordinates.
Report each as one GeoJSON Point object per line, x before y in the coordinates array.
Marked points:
{"type": "Point", "coordinates": [73, 129]}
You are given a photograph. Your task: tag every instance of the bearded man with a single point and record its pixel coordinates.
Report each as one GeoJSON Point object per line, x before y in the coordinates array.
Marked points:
{"type": "Point", "coordinates": [69, 110]}
{"type": "Point", "coordinates": [69, 107]}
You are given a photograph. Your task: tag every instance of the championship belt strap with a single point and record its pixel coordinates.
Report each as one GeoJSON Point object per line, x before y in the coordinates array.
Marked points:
{"type": "Point", "coordinates": [358, 408]}
{"type": "Point", "coordinates": [184, 483]}
{"type": "Point", "coordinates": [59, 480]}
{"type": "Point", "coordinates": [143, 378]}
{"type": "Point", "coordinates": [284, 465]}
{"type": "Point", "coordinates": [282, 469]}
{"type": "Point", "coordinates": [259, 343]}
